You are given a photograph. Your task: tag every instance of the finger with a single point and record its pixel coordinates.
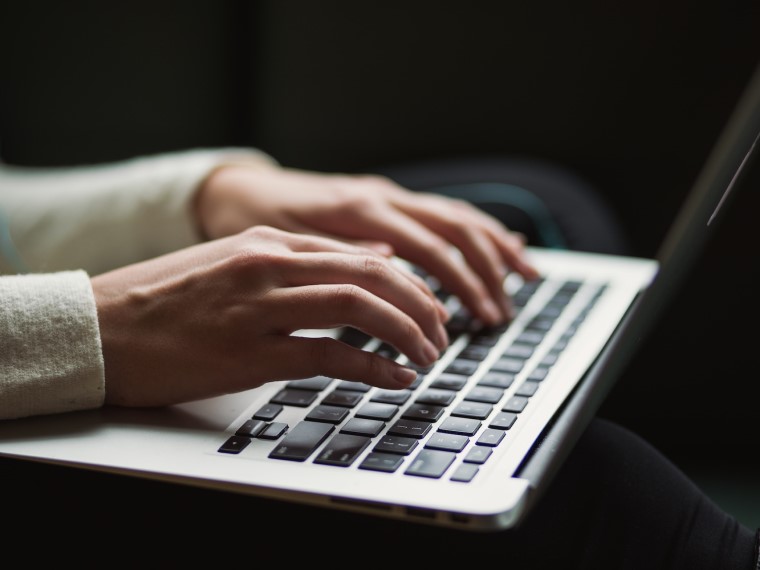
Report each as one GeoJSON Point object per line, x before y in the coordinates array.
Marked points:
{"type": "Point", "coordinates": [329, 306]}
{"type": "Point", "coordinates": [418, 244]}
{"type": "Point", "coordinates": [379, 275]}
{"type": "Point", "coordinates": [444, 215]}
{"type": "Point", "coordinates": [478, 249]}
{"type": "Point", "coordinates": [292, 357]}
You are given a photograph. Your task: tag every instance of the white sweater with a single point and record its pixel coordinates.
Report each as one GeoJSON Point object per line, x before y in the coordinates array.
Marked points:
{"type": "Point", "coordinates": [57, 227]}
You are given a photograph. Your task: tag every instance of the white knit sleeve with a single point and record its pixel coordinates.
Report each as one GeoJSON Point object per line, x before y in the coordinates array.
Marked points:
{"type": "Point", "coordinates": [98, 218]}
{"type": "Point", "coordinates": [50, 354]}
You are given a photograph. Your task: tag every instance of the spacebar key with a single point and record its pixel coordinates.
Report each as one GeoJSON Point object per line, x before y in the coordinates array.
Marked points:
{"type": "Point", "coordinates": [301, 441]}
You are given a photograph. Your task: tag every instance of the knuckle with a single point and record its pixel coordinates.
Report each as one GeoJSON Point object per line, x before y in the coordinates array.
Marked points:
{"type": "Point", "coordinates": [349, 296]}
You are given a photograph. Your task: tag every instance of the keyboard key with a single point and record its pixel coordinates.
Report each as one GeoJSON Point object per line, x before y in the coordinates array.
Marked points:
{"type": "Point", "coordinates": [527, 389]}
{"type": "Point", "coordinates": [478, 454]}
{"type": "Point", "coordinates": [462, 367]}
{"type": "Point", "coordinates": [424, 412]}
{"type": "Point", "coordinates": [354, 337]}
{"type": "Point", "coordinates": [315, 383]}
{"type": "Point", "coordinates": [302, 441]}
{"type": "Point", "coordinates": [235, 444]}
{"type": "Point", "coordinates": [447, 442]}
{"type": "Point", "coordinates": [515, 404]}
{"type": "Point", "coordinates": [446, 381]}
{"type": "Point", "coordinates": [507, 364]}
{"type": "Point", "coordinates": [465, 472]}
{"type": "Point", "coordinates": [396, 444]}
{"type": "Point", "coordinates": [462, 426]}
{"type": "Point", "coordinates": [410, 428]}
{"type": "Point", "coordinates": [345, 398]}
{"type": "Point", "coordinates": [251, 428]}
{"type": "Point", "coordinates": [397, 397]}
{"type": "Point", "coordinates": [273, 430]}
{"type": "Point", "coordinates": [496, 379]}
{"type": "Point", "coordinates": [385, 462]}
{"type": "Point", "coordinates": [342, 450]}
{"type": "Point", "coordinates": [353, 386]}
{"type": "Point", "coordinates": [485, 394]}
{"type": "Point", "coordinates": [267, 412]}
{"type": "Point", "coordinates": [491, 437]}
{"type": "Point", "coordinates": [476, 410]}
{"type": "Point", "coordinates": [295, 397]}
{"type": "Point", "coordinates": [329, 414]}
{"type": "Point", "coordinates": [503, 420]}
{"type": "Point", "coordinates": [377, 411]}
{"type": "Point", "coordinates": [361, 426]}
{"type": "Point", "coordinates": [436, 397]}
{"type": "Point", "coordinates": [431, 463]}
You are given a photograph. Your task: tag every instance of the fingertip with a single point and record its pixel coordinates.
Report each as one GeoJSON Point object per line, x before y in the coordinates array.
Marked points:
{"type": "Point", "coordinates": [404, 376]}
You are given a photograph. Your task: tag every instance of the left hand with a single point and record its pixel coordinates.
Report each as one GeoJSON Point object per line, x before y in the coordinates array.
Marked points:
{"type": "Point", "coordinates": [374, 211]}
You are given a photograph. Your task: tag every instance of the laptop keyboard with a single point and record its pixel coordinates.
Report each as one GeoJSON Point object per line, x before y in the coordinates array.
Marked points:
{"type": "Point", "coordinates": [463, 406]}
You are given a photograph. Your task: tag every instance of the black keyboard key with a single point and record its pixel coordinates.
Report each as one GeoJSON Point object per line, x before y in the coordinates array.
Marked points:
{"type": "Point", "coordinates": [316, 383]}
{"type": "Point", "coordinates": [397, 397]}
{"type": "Point", "coordinates": [235, 444]}
{"type": "Point", "coordinates": [478, 454]}
{"type": "Point", "coordinates": [342, 450]}
{"type": "Point", "coordinates": [503, 420]}
{"type": "Point", "coordinates": [515, 404]}
{"type": "Point", "coordinates": [273, 430]}
{"type": "Point", "coordinates": [431, 463]}
{"type": "Point", "coordinates": [507, 364]}
{"type": "Point", "coordinates": [496, 379]}
{"type": "Point", "coordinates": [410, 428]}
{"type": "Point", "coordinates": [462, 367]}
{"type": "Point", "coordinates": [518, 350]}
{"type": "Point", "coordinates": [344, 398]}
{"type": "Point", "coordinates": [476, 410]}
{"type": "Point", "coordinates": [446, 381]}
{"type": "Point", "coordinates": [329, 414]}
{"type": "Point", "coordinates": [447, 442]}
{"type": "Point", "coordinates": [461, 426]}
{"type": "Point", "coordinates": [267, 412]}
{"type": "Point", "coordinates": [527, 389]}
{"type": "Point", "coordinates": [302, 441]}
{"type": "Point", "coordinates": [474, 352]}
{"type": "Point", "coordinates": [491, 437]}
{"type": "Point", "coordinates": [294, 397]}
{"type": "Point", "coordinates": [385, 462]}
{"type": "Point", "coordinates": [424, 412]}
{"type": "Point", "coordinates": [465, 472]}
{"type": "Point", "coordinates": [354, 386]}
{"type": "Point", "coordinates": [251, 428]}
{"type": "Point", "coordinates": [377, 411]}
{"type": "Point", "coordinates": [485, 394]}
{"type": "Point", "coordinates": [354, 337]}
{"type": "Point", "coordinates": [361, 426]}
{"type": "Point", "coordinates": [436, 397]}
{"type": "Point", "coordinates": [396, 444]}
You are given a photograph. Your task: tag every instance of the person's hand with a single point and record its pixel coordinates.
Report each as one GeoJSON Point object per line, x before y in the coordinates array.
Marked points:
{"type": "Point", "coordinates": [217, 318]}
{"type": "Point", "coordinates": [419, 227]}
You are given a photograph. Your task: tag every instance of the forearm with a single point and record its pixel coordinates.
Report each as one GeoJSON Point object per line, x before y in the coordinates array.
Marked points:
{"type": "Point", "coordinates": [101, 217]}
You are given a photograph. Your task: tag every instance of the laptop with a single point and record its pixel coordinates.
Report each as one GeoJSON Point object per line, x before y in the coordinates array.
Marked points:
{"type": "Point", "coordinates": [473, 443]}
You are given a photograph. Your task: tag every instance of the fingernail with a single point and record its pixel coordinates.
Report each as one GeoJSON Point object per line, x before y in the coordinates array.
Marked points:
{"type": "Point", "coordinates": [442, 338]}
{"type": "Point", "coordinates": [430, 352]}
{"type": "Point", "coordinates": [491, 310]}
{"type": "Point", "coordinates": [404, 376]}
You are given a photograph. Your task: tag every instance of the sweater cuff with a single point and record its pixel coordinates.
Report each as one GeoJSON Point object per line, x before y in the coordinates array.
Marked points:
{"type": "Point", "coordinates": [51, 360]}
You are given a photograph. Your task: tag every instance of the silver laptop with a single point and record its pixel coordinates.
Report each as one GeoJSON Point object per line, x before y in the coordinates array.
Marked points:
{"type": "Point", "coordinates": [473, 444]}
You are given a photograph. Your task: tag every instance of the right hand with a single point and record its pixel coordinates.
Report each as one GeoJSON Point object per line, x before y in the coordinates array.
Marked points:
{"type": "Point", "coordinates": [217, 318]}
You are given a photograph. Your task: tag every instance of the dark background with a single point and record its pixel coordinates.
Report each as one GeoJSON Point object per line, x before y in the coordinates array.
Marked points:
{"type": "Point", "coordinates": [630, 96]}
